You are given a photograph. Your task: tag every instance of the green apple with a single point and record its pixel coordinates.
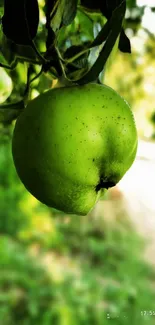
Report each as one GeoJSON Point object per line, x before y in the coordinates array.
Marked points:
{"type": "Point", "coordinates": [71, 144]}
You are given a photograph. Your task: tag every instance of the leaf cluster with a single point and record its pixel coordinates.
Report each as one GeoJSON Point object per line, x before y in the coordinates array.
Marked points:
{"type": "Point", "coordinates": [21, 22]}
{"type": "Point", "coordinates": [69, 40]}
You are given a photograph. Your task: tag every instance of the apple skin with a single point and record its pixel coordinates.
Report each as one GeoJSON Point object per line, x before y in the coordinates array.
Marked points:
{"type": "Point", "coordinates": [71, 144]}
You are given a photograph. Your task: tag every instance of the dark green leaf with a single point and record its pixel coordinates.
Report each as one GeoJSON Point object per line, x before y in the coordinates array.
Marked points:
{"type": "Point", "coordinates": [81, 50]}
{"type": "Point", "coordinates": [50, 37]}
{"type": "Point", "coordinates": [65, 14]}
{"type": "Point", "coordinates": [20, 20]}
{"type": "Point", "coordinates": [70, 8]}
{"type": "Point", "coordinates": [91, 5]}
{"type": "Point", "coordinates": [131, 3]}
{"type": "Point", "coordinates": [8, 50]}
{"type": "Point", "coordinates": [113, 28]}
{"type": "Point", "coordinates": [50, 6]}
{"type": "Point", "coordinates": [75, 49]}
{"type": "Point", "coordinates": [50, 9]}
{"type": "Point", "coordinates": [9, 112]}
{"type": "Point", "coordinates": [108, 6]}
{"type": "Point", "coordinates": [56, 17]}
{"type": "Point", "coordinates": [124, 43]}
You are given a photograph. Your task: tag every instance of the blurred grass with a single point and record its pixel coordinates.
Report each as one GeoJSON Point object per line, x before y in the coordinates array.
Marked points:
{"type": "Point", "coordinates": [63, 270]}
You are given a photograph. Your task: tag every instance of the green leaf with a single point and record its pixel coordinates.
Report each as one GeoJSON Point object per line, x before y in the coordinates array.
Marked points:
{"type": "Point", "coordinates": [124, 43]}
{"type": "Point", "coordinates": [131, 3]}
{"type": "Point", "coordinates": [9, 112]}
{"type": "Point", "coordinates": [20, 20]}
{"type": "Point", "coordinates": [91, 5]}
{"type": "Point", "coordinates": [57, 18]}
{"type": "Point", "coordinates": [101, 37]}
{"type": "Point", "coordinates": [65, 14]}
{"type": "Point", "coordinates": [107, 7]}
{"type": "Point", "coordinates": [70, 8]}
{"type": "Point", "coordinates": [50, 8]}
{"type": "Point", "coordinates": [1, 7]}
{"type": "Point", "coordinates": [73, 51]}
{"type": "Point", "coordinates": [112, 28]}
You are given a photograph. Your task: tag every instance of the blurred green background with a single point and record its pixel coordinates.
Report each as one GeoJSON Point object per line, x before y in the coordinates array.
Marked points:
{"type": "Point", "coordinates": [57, 269]}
